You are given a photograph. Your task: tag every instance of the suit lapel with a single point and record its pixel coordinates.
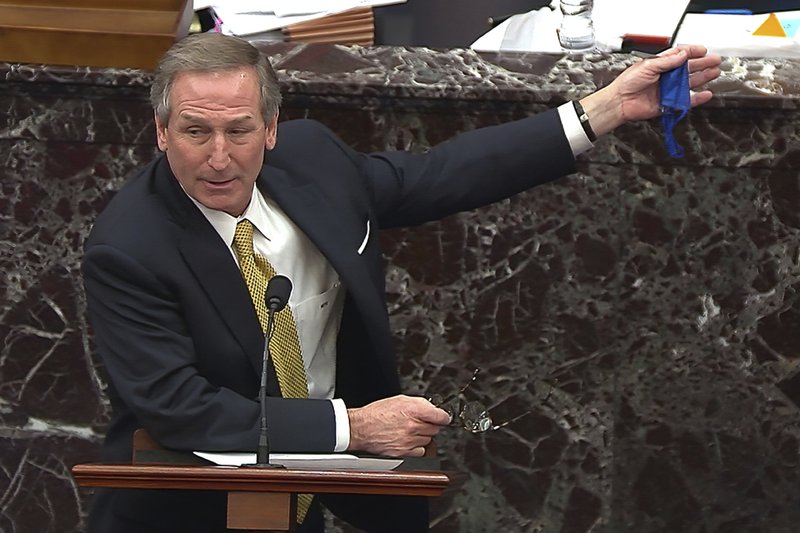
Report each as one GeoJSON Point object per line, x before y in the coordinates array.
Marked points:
{"type": "Point", "coordinates": [339, 241]}
{"type": "Point", "coordinates": [210, 261]}
{"type": "Point", "coordinates": [216, 271]}
{"type": "Point", "coordinates": [320, 221]}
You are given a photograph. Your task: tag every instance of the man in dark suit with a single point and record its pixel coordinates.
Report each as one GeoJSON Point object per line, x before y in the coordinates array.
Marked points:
{"type": "Point", "coordinates": [174, 319]}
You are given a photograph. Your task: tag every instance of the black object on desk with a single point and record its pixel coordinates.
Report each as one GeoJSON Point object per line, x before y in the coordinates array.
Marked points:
{"type": "Point", "coordinates": [756, 6]}
{"type": "Point", "coordinates": [443, 23]}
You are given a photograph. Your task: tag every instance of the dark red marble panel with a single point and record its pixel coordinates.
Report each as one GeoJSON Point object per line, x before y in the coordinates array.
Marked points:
{"type": "Point", "coordinates": [643, 314]}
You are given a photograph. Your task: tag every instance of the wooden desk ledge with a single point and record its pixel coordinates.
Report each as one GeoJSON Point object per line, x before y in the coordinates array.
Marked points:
{"type": "Point", "coordinates": [227, 478]}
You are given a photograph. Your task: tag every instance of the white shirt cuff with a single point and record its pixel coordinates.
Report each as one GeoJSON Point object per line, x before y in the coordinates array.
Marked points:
{"type": "Point", "coordinates": [578, 141]}
{"type": "Point", "coordinates": [342, 425]}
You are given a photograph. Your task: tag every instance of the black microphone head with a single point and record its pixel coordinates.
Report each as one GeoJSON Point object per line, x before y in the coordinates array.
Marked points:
{"type": "Point", "coordinates": [277, 294]}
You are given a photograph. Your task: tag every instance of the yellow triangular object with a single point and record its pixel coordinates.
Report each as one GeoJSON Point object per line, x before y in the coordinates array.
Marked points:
{"type": "Point", "coordinates": [771, 27]}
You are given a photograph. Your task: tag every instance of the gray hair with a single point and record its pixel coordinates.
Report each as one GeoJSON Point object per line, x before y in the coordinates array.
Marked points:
{"type": "Point", "coordinates": [213, 52]}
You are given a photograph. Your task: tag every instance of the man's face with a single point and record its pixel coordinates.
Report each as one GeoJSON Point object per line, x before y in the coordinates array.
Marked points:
{"type": "Point", "coordinates": [216, 136]}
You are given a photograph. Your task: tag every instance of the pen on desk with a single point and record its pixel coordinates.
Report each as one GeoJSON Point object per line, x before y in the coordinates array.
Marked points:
{"type": "Point", "coordinates": [728, 12]}
{"type": "Point", "coordinates": [496, 21]}
{"type": "Point", "coordinates": [636, 38]}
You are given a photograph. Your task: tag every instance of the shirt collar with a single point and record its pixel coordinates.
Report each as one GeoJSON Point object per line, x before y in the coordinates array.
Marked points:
{"type": "Point", "coordinates": [225, 224]}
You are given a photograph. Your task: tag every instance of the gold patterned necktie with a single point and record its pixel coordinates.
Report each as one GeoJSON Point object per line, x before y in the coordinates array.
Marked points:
{"type": "Point", "coordinates": [284, 346]}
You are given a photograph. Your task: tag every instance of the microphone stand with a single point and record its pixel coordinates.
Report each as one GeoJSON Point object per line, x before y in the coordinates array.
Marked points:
{"type": "Point", "coordinates": [262, 451]}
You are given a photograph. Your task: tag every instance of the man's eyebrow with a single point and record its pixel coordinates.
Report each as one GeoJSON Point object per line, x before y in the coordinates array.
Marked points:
{"type": "Point", "coordinates": [188, 115]}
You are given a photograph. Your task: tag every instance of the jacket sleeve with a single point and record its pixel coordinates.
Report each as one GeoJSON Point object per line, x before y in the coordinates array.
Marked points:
{"type": "Point", "coordinates": [468, 171]}
{"type": "Point", "coordinates": [156, 377]}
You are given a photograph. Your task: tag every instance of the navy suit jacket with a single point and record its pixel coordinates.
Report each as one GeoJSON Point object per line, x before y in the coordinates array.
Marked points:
{"type": "Point", "coordinates": [172, 318]}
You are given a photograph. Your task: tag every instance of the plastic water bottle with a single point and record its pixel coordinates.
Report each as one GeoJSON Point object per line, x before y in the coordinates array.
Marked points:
{"type": "Point", "coordinates": [576, 32]}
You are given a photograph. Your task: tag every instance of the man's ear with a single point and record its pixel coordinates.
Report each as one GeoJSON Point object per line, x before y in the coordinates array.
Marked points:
{"type": "Point", "coordinates": [272, 132]}
{"type": "Point", "coordinates": [161, 134]}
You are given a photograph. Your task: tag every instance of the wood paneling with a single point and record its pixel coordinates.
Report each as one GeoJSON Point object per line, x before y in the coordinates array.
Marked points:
{"type": "Point", "coordinates": [90, 33]}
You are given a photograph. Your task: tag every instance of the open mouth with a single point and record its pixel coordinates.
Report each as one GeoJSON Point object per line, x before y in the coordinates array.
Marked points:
{"type": "Point", "coordinates": [219, 183]}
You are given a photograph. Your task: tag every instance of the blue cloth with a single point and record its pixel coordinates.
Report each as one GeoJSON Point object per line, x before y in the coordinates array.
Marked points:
{"type": "Point", "coordinates": [675, 103]}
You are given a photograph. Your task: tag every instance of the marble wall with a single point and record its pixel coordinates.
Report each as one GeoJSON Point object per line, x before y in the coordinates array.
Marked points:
{"type": "Point", "coordinates": [644, 313]}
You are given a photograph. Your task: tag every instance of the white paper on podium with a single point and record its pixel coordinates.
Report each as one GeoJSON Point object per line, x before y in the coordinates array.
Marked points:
{"type": "Point", "coordinates": [306, 461]}
{"type": "Point", "coordinates": [732, 35]}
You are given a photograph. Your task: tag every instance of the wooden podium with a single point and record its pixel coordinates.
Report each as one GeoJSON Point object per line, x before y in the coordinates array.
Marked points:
{"type": "Point", "coordinates": [95, 33]}
{"type": "Point", "coordinates": [258, 499]}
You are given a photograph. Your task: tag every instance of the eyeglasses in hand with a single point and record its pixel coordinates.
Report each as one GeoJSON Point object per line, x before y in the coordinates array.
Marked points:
{"type": "Point", "coordinates": [472, 415]}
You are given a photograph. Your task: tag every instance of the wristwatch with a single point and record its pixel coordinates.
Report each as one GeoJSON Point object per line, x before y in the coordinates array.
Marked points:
{"type": "Point", "coordinates": [584, 120]}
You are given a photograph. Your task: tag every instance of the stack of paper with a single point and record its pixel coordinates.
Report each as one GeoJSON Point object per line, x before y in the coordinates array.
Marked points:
{"type": "Point", "coordinates": [356, 26]}
{"type": "Point", "coordinates": [333, 21]}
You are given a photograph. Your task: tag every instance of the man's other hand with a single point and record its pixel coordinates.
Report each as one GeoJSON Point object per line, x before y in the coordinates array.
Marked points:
{"type": "Point", "coordinates": [634, 94]}
{"type": "Point", "coordinates": [400, 426]}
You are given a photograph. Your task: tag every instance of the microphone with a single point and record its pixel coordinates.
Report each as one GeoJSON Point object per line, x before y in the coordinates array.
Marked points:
{"type": "Point", "coordinates": [277, 294]}
{"type": "Point", "coordinates": [276, 297]}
